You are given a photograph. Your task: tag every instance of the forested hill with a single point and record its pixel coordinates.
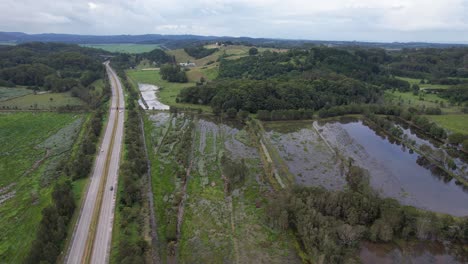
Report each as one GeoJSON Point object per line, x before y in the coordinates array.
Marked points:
{"type": "Point", "coordinates": [49, 66]}
{"type": "Point", "coordinates": [323, 77]}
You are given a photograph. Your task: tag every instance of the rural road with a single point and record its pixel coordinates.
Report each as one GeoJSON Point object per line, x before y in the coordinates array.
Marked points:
{"type": "Point", "coordinates": [92, 235]}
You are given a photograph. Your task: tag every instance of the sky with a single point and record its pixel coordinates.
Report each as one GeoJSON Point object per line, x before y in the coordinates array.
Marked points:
{"type": "Point", "coordinates": [443, 21]}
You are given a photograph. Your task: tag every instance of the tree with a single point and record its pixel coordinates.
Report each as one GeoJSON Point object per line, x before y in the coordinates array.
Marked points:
{"type": "Point", "coordinates": [231, 112]}
{"type": "Point", "coordinates": [456, 138]}
{"type": "Point", "coordinates": [465, 144]}
{"type": "Point", "coordinates": [253, 51]}
{"type": "Point", "coordinates": [415, 89]}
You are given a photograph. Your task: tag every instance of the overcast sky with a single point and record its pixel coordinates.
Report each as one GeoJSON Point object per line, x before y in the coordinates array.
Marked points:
{"type": "Point", "coordinates": [362, 20]}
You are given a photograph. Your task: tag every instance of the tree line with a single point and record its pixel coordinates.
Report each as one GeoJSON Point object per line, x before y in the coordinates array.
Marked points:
{"type": "Point", "coordinates": [131, 246]}
{"type": "Point", "coordinates": [49, 66]}
{"type": "Point", "coordinates": [330, 224]}
{"type": "Point", "coordinates": [56, 217]}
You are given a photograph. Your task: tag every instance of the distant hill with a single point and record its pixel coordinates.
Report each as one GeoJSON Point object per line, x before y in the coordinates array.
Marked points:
{"type": "Point", "coordinates": [178, 41]}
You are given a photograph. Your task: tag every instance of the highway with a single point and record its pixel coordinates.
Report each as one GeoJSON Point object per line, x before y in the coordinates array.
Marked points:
{"type": "Point", "coordinates": [92, 235]}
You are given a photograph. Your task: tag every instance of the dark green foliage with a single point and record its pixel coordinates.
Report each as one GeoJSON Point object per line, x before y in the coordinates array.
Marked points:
{"type": "Point", "coordinates": [199, 52]}
{"type": "Point", "coordinates": [254, 95]}
{"type": "Point", "coordinates": [330, 224]}
{"type": "Point", "coordinates": [53, 226]}
{"type": "Point", "coordinates": [457, 138]}
{"type": "Point", "coordinates": [56, 67]}
{"type": "Point", "coordinates": [253, 51]}
{"type": "Point", "coordinates": [156, 56]}
{"type": "Point", "coordinates": [430, 63]}
{"type": "Point", "coordinates": [132, 247]}
{"type": "Point", "coordinates": [173, 73]}
{"type": "Point", "coordinates": [456, 94]}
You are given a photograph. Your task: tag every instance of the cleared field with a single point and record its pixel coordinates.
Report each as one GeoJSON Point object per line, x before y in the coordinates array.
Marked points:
{"type": "Point", "coordinates": [168, 91]}
{"type": "Point", "coordinates": [221, 221]}
{"type": "Point", "coordinates": [124, 47]}
{"type": "Point", "coordinates": [426, 100]}
{"type": "Point", "coordinates": [33, 144]}
{"type": "Point", "coordinates": [45, 101]}
{"type": "Point", "coordinates": [425, 85]}
{"type": "Point", "coordinates": [455, 123]}
{"type": "Point", "coordinates": [7, 93]}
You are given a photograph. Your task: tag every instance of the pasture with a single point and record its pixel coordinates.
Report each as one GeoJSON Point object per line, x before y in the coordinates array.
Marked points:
{"type": "Point", "coordinates": [7, 93]}
{"type": "Point", "coordinates": [131, 48]}
{"type": "Point", "coordinates": [43, 101]}
{"type": "Point", "coordinates": [168, 91]}
{"type": "Point", "coordinates": [33, 145]}
{"type": "Point", "coordinates": [457, 123]}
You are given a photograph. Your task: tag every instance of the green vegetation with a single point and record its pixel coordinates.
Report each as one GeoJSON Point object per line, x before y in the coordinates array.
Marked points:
{"type": "Point", "coordinates": [34, 145]}
{"type": "Point", "coordinates": [43, 101]}
{"type": "Point", "coordinates": [8, 93]}
{"type": "Point", "coordinates": [124, 47]}
{"type": "Point", "coordinates": [130, 245]}
{"type": "Point", "coordinates": [168, 91]}
{"type": "Point", "coordinates": [199, 52]}
{"type": "Point", "coordinates": [454, 123]}
{"type": "Point", "coordinates": [173, 73]}
{"type": "Point", "coordinates": [50, 66]}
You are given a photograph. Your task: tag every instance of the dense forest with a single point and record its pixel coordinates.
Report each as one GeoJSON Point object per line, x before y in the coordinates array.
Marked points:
{"type": "Point", "coordinates": [322, 77]}
{"type": "Point", "coordinates": [49, 66]}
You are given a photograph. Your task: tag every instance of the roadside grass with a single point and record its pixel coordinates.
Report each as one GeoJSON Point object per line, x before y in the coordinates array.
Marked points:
{"type": "Point", "coordinates": [426, 100]}
{"type": "Point", "coordinates": [168, 91]}
{"type": "Point", "coordinates": [457, 123]}
{"type": "Point", "coordinates": [24, 139]}
{"type": "Point", "coordinates": [45, 101]}
{"type": "Point", "coordinates": [8, 93]}
{"type": "Point", "coordinates": [423, 85]}
{"type": "Point", "coordinates": [124, 47]}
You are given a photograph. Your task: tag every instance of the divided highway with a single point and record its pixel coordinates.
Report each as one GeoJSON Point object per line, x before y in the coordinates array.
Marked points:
{"type": "Point", "coordinates": [92, 235]}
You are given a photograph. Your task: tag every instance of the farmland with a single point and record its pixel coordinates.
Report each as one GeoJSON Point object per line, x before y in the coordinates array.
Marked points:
{"type": "Point", "coordinates": [124, 47]}
{"type": "Point", "coordinates": [168, 91]}
{"type": "Point", "coordinates": [457, 123]}
{"type": "Point", "coordinates": [202, 214]}
{"type": "Point", "coordinates": [7, 93]}
{"type": "Point", "coordinates": [33, 145]}
{"type": "Point", "coordinates": [41, 101]}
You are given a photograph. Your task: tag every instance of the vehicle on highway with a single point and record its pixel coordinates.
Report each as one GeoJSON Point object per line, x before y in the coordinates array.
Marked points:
{"type": "Point", "coordinates": [112, 188]}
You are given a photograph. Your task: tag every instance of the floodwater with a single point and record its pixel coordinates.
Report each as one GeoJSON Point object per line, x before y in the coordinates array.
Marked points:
{"type": "Point", "coordinates": [148, 92]}
{"type": "Point", "coordinates": [397, 172]}
{"type": "Point", "coordinates": [412, 253]}
{"type": "Point", "coordinates": [308, 157]}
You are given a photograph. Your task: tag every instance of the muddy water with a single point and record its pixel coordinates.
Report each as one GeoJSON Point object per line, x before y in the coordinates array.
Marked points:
{"type": "Point", "coordinates": [397, 172]}
{"type": "Point", "coordinates": [308, 157]}
{"type": "Point", "coordinates": [411, 253]}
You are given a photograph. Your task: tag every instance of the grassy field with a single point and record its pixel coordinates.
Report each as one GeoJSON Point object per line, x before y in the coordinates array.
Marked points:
{"type": "Point", "coordinates": [7, 93]}
{"type": "Point", "coordinates": [32, 146]}
{"type": "Point", "coordinates": [124, 47]}
{"type": "Point", "coordinates": [45, 101]}
{"type": "Point", "coordinates": [425, 100]}
{"type": "Point", "coordinates": [422, 86]}
{"type": "Point", "coordinates": [168, 91]}
{"type": "Point", "coordinates": [457, 123]}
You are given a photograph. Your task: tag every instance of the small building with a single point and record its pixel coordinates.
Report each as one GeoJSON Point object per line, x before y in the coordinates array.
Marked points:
{"type": "Point", "coordinates": [187, 64]}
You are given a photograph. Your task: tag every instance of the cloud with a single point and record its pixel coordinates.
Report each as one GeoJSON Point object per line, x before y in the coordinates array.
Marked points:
{"type": "Point", "coordinates": [384, 20]}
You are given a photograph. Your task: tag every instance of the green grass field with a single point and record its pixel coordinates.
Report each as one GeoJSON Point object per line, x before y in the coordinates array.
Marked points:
{"type": "Point", "coordinates": [46, 101]}
{"type": "Point", "coordinates": [428, 100]}
{"type": "Point", "coordinates": [25, 170]}
{"type": "Point", "coordinates": [7, 93]}
{"type": "Point", "coordinates": [457, 123]}
{"type": "Point", "coordinates": [124, 47]}
{"type": "Point", "coordinates": [168, 91]}
{"type": "Point", "coordinates": [422, 86]}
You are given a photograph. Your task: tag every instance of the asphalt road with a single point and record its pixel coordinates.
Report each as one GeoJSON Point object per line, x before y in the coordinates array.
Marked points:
{"type": "Point", "coordinates": [109, 153]}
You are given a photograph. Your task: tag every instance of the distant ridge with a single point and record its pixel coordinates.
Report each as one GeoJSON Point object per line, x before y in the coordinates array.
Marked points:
{"type": "Point", "coordinates": [176, 41]}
